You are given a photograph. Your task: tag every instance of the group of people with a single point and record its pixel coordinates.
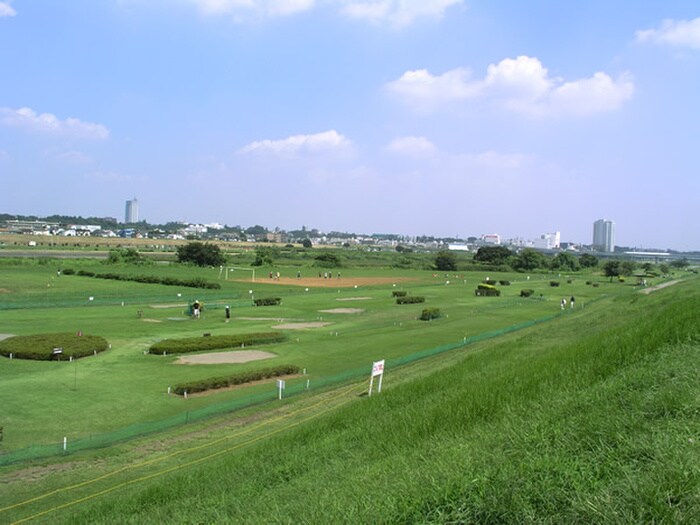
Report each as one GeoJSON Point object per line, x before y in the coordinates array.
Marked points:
{"type": "Point", "coordinates": [571, 302]}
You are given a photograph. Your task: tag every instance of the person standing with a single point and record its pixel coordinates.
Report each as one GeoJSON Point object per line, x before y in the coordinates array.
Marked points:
{"type": "Point", "coordinates": [571, 302]}
{"type": "Point", "coordinates": [228, 313]}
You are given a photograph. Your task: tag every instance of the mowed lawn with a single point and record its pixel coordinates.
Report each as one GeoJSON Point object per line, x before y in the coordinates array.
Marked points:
{"type": "Point", "coordinates": [43, 402]}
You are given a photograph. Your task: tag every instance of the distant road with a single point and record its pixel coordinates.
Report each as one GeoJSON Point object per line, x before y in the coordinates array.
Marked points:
{"type": "Point", "coordinates": [55, 254]}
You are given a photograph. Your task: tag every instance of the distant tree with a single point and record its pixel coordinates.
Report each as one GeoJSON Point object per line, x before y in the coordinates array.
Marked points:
{"type": "Point", "coordinates": [611, 269]}
{"type": "Point", "coordinates": [627, 268]}
{"type": "Point", "coordinates": [529, 259]}
{"type": "Point", "coordinates": [664, 269]}
{"type": "Point", "coordinates": [306, 243]}
{"type": "Point", "coordinates": [445, 261]}
{"type": "Point", "coordinates": [399, 248]}
{"type": "Point", "coordinates": [327, 260]}
{"type": "Point", "coordinates": [648, 267]}
{"type": "Point", "coordinates": [588, 261]}
{"type": "Point", "coordinates": [256, 230]}
{"type": "Point", "coordinates": [126, 255]}
{"type": "Point", "coordinates": [679, 263]}
{"type": "Point", "coordinates": [564, 261]}
{"type": "Point", "coordinates": [265, 255]}
{"type": "Point", "coordinates": [493, 255]}
{"type": "Point", "coordinates": [201, 254]}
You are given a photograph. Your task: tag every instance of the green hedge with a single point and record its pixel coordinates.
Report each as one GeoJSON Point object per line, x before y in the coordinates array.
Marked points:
{"type": "Point", "coordinates": [487, 292]}
{"type": "Point", "coordinates": [399, 293]}
{"type": "Point", "coordinates": [41, 346]}
{"type": "Point", "coordinates": [216, 342]}
{"type": "Point", "coordinates": [527, 292]}
{"type": "Point", "coordinates": [237, 379]}
{"type": "Point", "coordinates": [147, 279]}
{"type": "Point", "coordinates": [410, 299]}
{"type": "Point", "coordinates": [429, 314]}
{"type": "Point", "coordinates": [554, 283]}
{"type": "Point", "coordinates": [268, 301]}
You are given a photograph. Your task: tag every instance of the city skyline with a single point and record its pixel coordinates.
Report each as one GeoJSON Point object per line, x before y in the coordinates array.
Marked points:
{"type": "Point", "coordinates": [443, 118]}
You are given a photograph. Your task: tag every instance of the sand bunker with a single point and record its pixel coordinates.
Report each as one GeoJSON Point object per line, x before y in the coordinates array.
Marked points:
{"type": "Point", "coordinates": [217, 358]}
{"type": "Point", "coordinates": [320, 282]}
{"type": "Point", "coordinates": [151, 320]}
{"type": "Point", "coordinates": [179, 305]}
{"type": "Point", "coordinates": [353, 298]}
{"type": "Point", "coordinates": [300, 326]}
{"type": "Point", "coordinates": [342, 311]}
{"type": "Point", "coordinates": [278, 319]}
{"type": "Point", "coordinates": [5, 336]}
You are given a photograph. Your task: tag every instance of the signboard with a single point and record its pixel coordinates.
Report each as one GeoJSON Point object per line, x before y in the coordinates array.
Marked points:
{"type": "Point", "coordinates": [280, 386]}
{"type": "Point", "coordinates": [377, 370]}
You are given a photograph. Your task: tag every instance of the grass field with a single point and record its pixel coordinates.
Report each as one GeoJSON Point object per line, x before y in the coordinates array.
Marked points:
{"type": "Point", "coordinates": [543, 422]}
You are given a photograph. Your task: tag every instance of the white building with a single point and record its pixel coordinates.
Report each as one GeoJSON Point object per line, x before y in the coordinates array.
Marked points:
{"type": "Point", "coordinates": [548, 241]}
{"type": "Point", "coordinates": [131, 211]}
{"type": "Point", "coordinates": [491, 238]}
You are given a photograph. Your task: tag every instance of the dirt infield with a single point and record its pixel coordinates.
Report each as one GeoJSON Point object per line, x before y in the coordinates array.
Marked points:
{"type": "Point", "coordinates": [342, 311]}
{"type": "Point", "coordinates": [217, 358]}
{"type": "Point", "coordinates": [320, 282]}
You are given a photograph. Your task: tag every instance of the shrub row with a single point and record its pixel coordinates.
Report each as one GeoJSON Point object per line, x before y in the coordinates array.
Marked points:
{"type": "Point", "coordinates": [399, 293]}
{"type": "Point", "coordinates": [268, 301]}
{"type": "Point", "coordinates": [410, 299]}
{"type": "Point", "coordinates": [237, 379]}
{"type": "Point", "coordinates": [147, 279]}
{"type": "Point", "coordinates": [487, 290]}
{"type": "Point", "coordinates": [429, 314]}
{"type": "Point", "coordinates": [41, 346]}
{"type": "Point", "coordinates": [504, 283]}
{"type": "Point", "coordinates": [215, 342]}
{"type": "Point", "coordinates": [527, 292]}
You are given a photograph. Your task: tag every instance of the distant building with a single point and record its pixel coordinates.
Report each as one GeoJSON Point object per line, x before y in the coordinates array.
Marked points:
{"type": "Point", "coordinates": [131, 212]}
{"type": "Point", "coordinates": [604, 235]}
{"type": "Point", "coordinates": [548, 241]}
{"type": "Point", "coordinates": [491, 238]}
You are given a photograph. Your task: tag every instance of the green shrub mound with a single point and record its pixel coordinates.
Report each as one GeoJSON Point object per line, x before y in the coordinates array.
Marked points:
{"type": "Point", "coordinates": [504, 282]}
{"type": "Point", "coordinates": [429, 314]}
{"type": "Point", "coordinates": [399, 293]}
{"type": "Point", "coordinates": [268, 301]}
{"type": "Point", "coordinates": [215, 342]}
{"type": "Point", "coordinates": [237, 379]}
{"type": "Point", "coordinates": [527, 292]}
{"type": "Point", "coordinates": [486, 290]}
{"type": "Point", "coordinates": [410, 299]}
{"type": "Point", "coordinates": [554, 283]}
{"type": "Point", "coordinates": [41, 346]}
{"type": "Point", "coordinates": [147, 279]}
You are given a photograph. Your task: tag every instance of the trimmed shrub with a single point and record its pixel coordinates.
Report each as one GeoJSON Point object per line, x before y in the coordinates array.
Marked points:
{"type": "Point", "coordinates": [487, 292]}
{"type": "Point", "coordinates": [215, 342]}
{"type": "Point", "coordinates": [410, 299]}
{"type": "Point", "coordinates": [85, 273]}
{"type": "Point", "coordinates": [399, 293]}
{"type": "Point", "coordinates": [237, 379]}
{"type": "Point", "coordinates": [41, 346]}
{"type": "Point", "coordinates": [429, 314]}
{"type": "Point", "coordinates": [504, 283]}
{"type": "Point", "coordinates": [150, 279]}
{"type": "Point", "coordinates": [554, 283]}
{"type": "Point", "coordinates": [527, 292]}
{"type": "Point", "coordinates": [268, 301]}
{"type": "Point", "coordinates": [68, 271]}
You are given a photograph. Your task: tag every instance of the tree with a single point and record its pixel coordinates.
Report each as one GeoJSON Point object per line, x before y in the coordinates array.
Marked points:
{"type": "Point", "coordinates": [493, 255]}
{"type": "Point", "coordinates": [564, 261]}
{"type": "Point", "coordinates": [627, 268]}
{"type": "Point", "coordinates": [201, 254]}
{"type": "Point", "coordinates": [265, 255]}
{"type": "Point", "coordinates": [679, 263]}
{"type": "Point", "coordinates": [306, 243]}
{"type": "Point", "coordinates": [611, 269]}
{"type": "Point", "coordinates": [445, 261]}
{"type": "Point", "coordinates": [588, 261]}
{"type": "Point", "coordinates": [529, 259]}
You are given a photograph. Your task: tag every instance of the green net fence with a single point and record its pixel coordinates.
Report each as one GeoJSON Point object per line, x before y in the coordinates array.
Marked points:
{"type": "Point", "coordinates": [113, 437]}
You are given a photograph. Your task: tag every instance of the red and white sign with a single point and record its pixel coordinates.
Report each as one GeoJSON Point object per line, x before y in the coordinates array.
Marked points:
{"type": "Point", "coordinates": [378, 368]}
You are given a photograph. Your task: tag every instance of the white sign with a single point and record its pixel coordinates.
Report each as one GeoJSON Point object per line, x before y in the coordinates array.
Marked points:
{"type": "Point", "coordinates": [378, 368]}
{"type": "Point", "coordinates": [280, 387]}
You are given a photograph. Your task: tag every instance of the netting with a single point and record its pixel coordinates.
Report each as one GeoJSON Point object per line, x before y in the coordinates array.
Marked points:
{"type": "Point", "coordinates": [113, 437]}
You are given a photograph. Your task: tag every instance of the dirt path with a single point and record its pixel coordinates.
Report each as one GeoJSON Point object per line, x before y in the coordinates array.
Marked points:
{"type": "Point", "coordinates": [320, 282]}
{"type": "Point", "coordinates": [659, 286]}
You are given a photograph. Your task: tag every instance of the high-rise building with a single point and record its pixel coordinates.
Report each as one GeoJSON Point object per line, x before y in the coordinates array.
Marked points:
{"type": "Point", "coordinates": [604, 235]}
{"type": "Point", "coordinates": [131, 213]}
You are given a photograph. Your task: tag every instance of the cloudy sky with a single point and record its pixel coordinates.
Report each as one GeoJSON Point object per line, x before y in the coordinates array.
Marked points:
{"type": "Point", "coordinates": [419, 117]}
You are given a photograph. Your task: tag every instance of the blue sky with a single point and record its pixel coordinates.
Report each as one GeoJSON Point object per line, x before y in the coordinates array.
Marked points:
{"type": "Point", "coordinates": [419, 117]}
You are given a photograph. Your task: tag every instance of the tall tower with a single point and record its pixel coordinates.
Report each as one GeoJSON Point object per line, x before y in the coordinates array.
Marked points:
{"type": "Point", "coordinates": [604, 235]}
{"type": "Point", "coordinates": [131, 212]}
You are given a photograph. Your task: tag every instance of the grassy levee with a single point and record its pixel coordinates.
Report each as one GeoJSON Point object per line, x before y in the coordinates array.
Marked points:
{"type": "Point", "coordinates": [592, 418]}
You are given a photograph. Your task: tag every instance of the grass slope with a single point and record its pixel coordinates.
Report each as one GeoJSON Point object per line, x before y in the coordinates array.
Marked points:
{"type": "Point", "coordinates": [589, 419]}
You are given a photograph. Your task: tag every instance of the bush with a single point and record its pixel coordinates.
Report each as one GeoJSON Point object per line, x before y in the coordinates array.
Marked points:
{"type": "Point", "coordinates": [399, 293]}
{"type": "Point", "coordinates": [410, 299]}
{"type": "Point", "coordinates": [504, 283]}
{"type": "Point", "coordinates": [487, 292]}
{"type": "Point", "coordinates": [527, 292]}
{"type": "Point", "coordinates": [554, 283]}
{"type": "Point", "coordinates": [268, 301]}
{"type": "Point", "coordinates": [68, 271]}
{"type": "Point", "coordinates": [41, 346]}
{"type": "Point", "coordinates": [237, 379]}
{"type": "Point", "coordinates": [429, 314]}
{"type": "Point", "coordinates": [197, 282]}
{"type": "Point", "coordinates": [198, 344]}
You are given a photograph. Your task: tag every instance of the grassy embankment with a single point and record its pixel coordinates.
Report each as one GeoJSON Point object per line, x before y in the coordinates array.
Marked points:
{"type": "Point", "coordinates": [592, 418]}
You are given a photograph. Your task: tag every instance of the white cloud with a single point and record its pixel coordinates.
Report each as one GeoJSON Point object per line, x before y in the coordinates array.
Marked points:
{"type": "Point", "coordinates": [6, 9]}
{"type": "Point", "coordinates": [27, 118]}
{"type": "Point", "coordinates": [246, 8]}
{"type": "Point", "coordinates": [681, 33]}
{"type": "Point", "coordinates": [412, 146]}
{"type": "Point", "coordinates": [325, 141]}
{"type": "Point", "coordinates": [519, 84]}
{"type": "Point", "coordinates": [397, 13]}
